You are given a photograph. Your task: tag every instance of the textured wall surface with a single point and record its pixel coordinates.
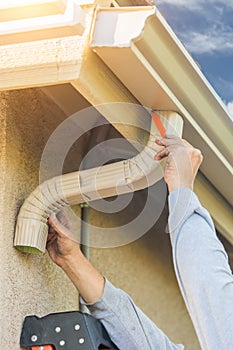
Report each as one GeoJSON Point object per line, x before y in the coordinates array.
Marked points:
{"type": "Point", "coordinates": [29, 284]}
{"type": "Point", "coordinates": [32, 284]}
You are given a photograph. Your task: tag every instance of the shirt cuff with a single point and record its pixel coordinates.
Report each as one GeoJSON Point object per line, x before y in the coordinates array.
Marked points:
{"type": "Point", "coordinates": [101, 307]}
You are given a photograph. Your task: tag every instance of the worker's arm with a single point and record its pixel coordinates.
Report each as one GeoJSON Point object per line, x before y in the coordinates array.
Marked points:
{"type": "Point", "coordinates": [127, 326]}
{"type": "Point", "coordinates": [66, 253]}
{"type": "Point", "coordinates": [202, 270]}
{"type": "Point", "coordinates": [200, 261]}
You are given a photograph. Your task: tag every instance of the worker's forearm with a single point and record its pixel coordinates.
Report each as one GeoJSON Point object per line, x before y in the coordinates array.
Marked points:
{"type": "Point", "coordinates": [88, 281]}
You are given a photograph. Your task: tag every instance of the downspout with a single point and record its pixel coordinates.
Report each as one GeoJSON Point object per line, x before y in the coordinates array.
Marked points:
{"type": "Point", "coordinates": [84, 242]}
{"type": "Point", "coordinates": [78, 187]}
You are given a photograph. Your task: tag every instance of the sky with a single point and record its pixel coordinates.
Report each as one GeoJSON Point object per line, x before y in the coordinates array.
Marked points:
{"type": "Point", "coordinates": [205, 27]}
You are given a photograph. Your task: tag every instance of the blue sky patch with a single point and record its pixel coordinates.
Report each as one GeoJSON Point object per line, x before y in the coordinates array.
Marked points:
{"type": "Point", "coordinates": [205, 27]}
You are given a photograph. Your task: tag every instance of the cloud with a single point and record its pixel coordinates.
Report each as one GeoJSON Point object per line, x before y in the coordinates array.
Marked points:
{"type": "Point", "coordinates": [230, 108]}
{"type": "Point", "coordinates": [206, 29]}
{"type": "Point", "coordinates": [188, 4]}
{"type": "Point", "coordinates": [204, 26]}
{"type": "Point", "coordinates": [197, 4]}
{"type": "Point", "coordinates": [209, 41]}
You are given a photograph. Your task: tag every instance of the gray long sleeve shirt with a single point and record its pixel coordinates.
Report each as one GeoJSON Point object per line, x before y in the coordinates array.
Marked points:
{"type": "Point", "coordinates": [204, 277]}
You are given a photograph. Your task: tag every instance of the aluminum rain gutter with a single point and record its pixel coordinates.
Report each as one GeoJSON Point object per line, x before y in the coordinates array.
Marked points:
{"type": "Point", "coordinates": [83, 186]}
{"type": "Point", "coordinates": [145, 54]}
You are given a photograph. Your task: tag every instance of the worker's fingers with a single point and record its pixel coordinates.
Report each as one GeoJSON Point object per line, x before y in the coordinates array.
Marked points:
{"type": "Point", "coordinates": [162, 154]}
{"type": "Point", "coordinates": [51, 230]}
{"type": "Point", "coordinates": [172, 140]}
{"type": "Point", "coordinates": [61, 216]}
{"type": "Point", "coordinates": [169, 140]}
{"type": "Point", "coordinates": [172, 137]}
{"type": "Point", "coordinates": [170, 143]}
{"type": "Point", "coordinates": [168, 149]}
{"type": "Point", "coordinates": [60, 229]}
{"type": "Point", "coordinates": [51, 238]}
{"type": "Point", "coordinates": [52, 218]}
{"type": "Point", "coordinates": [51, 233]}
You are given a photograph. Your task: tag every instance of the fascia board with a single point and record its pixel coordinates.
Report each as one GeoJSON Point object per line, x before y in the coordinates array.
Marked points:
{"type": "Point", "coordinates": [74, 16]}
{"type": "Point", "coordinates": [148, 72]}
{"type": "Point", "coordinates": [39, 63]}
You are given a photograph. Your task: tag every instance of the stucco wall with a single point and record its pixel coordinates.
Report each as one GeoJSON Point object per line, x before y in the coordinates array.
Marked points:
{"type": "Point", "coordinates": [32, 284]}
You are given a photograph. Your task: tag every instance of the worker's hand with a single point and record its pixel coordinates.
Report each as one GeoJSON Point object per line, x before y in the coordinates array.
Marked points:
{"type": "Point", "coordinates": [182, 164]}
{"type": "Point", "coordinates": [60, 245]}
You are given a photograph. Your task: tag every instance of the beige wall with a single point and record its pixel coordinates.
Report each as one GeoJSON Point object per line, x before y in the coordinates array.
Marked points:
{"type": "Point", "coordinates": [32, 284]}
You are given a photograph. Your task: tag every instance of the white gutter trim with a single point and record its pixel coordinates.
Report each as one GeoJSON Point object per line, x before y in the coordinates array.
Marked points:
{"type": "Point", "coordinates": [125, 176]}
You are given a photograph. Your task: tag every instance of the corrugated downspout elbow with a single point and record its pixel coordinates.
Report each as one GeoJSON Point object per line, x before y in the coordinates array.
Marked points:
{"type": "Point", "coordinates": [125, 176]}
